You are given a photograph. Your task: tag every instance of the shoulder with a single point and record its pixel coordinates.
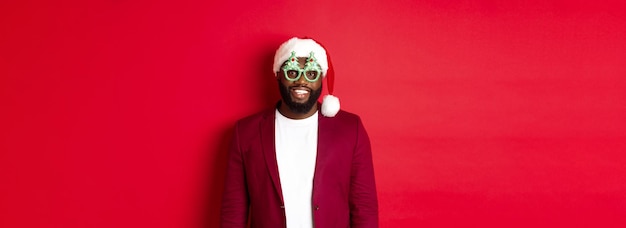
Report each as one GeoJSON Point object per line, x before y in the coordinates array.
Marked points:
{"type": "Point", "coordinates": [343, 121]}
{"type": "Point", "coordinates": [344, 116]}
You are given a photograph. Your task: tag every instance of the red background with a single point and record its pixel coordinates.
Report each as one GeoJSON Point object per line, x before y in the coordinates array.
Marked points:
{"type": "Point", "coordinates": [481, 113]}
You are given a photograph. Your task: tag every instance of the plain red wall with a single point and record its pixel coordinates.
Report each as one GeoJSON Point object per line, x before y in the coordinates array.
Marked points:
{"type": "Point", "coordinates": [481, 113]}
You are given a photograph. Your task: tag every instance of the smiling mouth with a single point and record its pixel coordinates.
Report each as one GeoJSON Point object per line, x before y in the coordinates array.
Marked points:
{"type": "Point", "coordinates": [300, 92]}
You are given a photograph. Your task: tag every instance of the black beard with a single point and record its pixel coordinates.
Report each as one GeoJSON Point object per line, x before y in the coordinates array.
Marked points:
{"type": "Point", "coordinates": [300, 108]}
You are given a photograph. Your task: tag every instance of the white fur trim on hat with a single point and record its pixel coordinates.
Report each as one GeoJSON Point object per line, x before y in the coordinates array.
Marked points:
{"type": "Point", "coordinates": [302, 47]}
{"type": "Point", "coordinates": [330, 106]}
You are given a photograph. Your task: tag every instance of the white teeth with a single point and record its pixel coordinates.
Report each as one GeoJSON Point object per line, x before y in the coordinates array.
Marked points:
{"type": "Point", "coordinates": [299, 91]}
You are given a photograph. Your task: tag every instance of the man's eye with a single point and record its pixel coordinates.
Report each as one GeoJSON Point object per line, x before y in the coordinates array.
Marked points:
{"type": "Point", "coordinates": [292, 73]}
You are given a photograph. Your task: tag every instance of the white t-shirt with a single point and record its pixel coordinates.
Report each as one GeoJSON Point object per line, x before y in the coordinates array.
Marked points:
{"type": "Point", "coordinates": [296, 151]}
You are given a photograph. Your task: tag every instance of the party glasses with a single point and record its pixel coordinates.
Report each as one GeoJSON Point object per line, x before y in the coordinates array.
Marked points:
{"type": "Point", "coordinates": [311, 71]}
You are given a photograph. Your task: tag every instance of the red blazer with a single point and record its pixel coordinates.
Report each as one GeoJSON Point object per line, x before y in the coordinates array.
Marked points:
{"type": "Point", "coordinates": [344, 191]}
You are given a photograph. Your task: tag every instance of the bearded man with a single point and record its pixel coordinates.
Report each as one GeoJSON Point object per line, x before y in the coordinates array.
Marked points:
{"type": "Point", "coordinates": [300, 164]}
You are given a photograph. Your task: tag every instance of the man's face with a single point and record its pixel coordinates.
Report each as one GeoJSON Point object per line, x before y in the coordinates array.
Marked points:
{"type": "Point", "coordinates": [300, 95]}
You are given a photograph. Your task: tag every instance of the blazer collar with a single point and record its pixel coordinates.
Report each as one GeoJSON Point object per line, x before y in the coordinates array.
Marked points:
{"type": "Point", "coordinates": [269, 149]}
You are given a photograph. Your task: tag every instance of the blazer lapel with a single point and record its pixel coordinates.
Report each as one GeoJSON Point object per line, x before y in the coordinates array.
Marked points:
{"type": "Point", "coordinates": [269, 149]}
{"type": "Point", "coordinates": [324, 140]}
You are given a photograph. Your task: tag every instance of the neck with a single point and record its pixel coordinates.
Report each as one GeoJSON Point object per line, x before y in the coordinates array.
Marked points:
{"type": "Point", "coordinates": [283, 109]}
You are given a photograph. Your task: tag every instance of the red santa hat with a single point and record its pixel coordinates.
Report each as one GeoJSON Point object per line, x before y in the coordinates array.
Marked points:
{"type": "Point", "coordinates": [302, 47]}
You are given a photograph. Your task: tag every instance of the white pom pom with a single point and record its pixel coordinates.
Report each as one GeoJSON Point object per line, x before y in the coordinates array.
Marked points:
{"type": "Point", "coordinates": [330, 106]}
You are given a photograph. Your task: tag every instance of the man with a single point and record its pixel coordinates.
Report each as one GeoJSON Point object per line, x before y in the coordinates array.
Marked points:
{"type": "Point", "coordinates": [292, 167]}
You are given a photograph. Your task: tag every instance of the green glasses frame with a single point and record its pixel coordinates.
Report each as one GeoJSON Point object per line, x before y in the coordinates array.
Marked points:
{"type": "Point", "coordinates": [311, 66]}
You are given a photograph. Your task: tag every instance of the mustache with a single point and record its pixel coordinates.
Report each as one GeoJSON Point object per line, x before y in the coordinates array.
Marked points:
{"type": "Point", "coordinates": [300, 87]}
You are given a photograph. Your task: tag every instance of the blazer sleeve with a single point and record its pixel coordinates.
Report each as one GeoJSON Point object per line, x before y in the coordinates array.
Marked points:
{"type": "Point", "coordinates": [235, 201]}
{"type": "Point", "coordinates": [363, 200]}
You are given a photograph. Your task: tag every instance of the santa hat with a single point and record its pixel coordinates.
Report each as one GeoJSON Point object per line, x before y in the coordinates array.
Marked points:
{"type": "Point", "coordinates": [302, 48]}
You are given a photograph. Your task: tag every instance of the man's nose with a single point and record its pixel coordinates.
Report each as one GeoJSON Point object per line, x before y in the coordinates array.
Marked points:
{"type": "Point", "coordinates": [302, 79]}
